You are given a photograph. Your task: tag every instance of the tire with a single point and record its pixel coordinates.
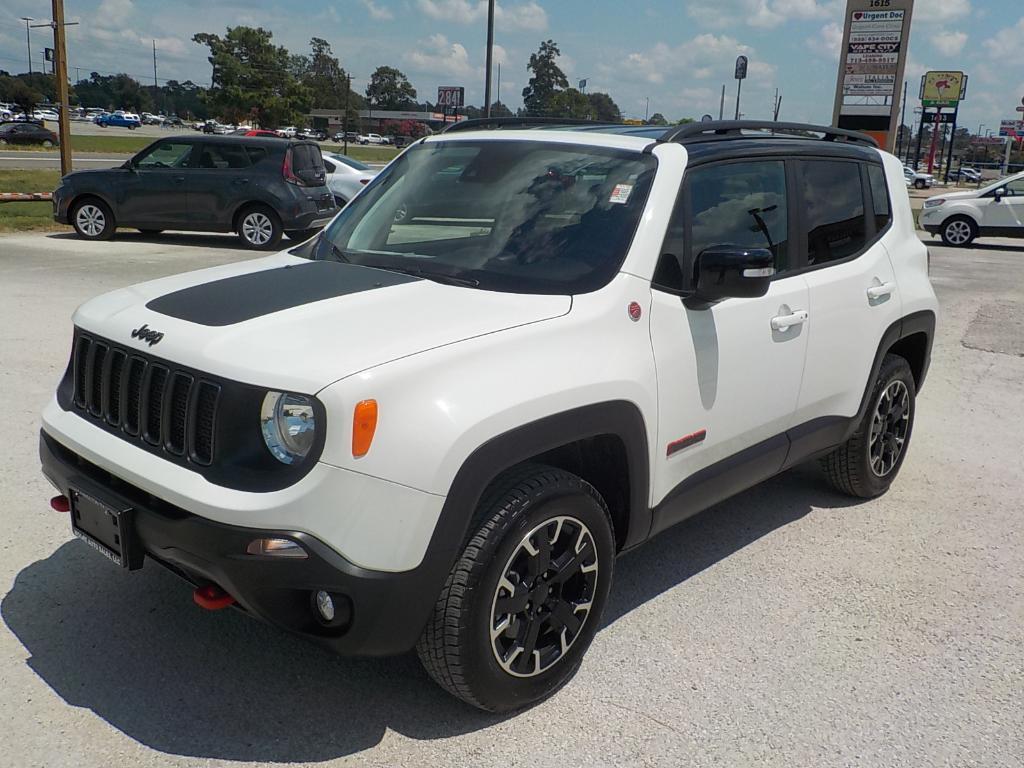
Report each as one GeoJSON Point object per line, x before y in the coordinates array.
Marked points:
{"type": "Point", "coordinates": [93, 219]}
{"type": "Point", "coordinates": [301, 235]}
{"type": "Point", "coordinates": [958, 231]}
{"type": "Point", "coordinates": [918, 184]}
{"type": "Point", "coordinates": [527, 505]}
{"type": "Point", "coordinates": [47, 143]}
{"type": "Point", "coordinates": [259, 228]}
{"type": "Point", "coordinates": [854, 468]}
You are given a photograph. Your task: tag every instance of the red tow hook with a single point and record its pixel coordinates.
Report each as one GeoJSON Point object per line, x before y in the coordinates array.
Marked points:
{"type": "Point", "coordinates": [60, 504]}
{"type": "Point", "coordinates": [212, 598]}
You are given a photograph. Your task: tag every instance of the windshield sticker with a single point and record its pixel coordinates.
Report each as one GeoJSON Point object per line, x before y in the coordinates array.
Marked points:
{"type": "Point", "coordinates": [621, 193]}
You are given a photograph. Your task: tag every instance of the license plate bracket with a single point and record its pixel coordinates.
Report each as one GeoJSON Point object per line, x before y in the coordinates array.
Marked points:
{"type": "Point", "coordinates": [105, 527]}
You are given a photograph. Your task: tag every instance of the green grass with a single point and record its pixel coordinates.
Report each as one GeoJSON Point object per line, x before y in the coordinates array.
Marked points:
{"type": "Point", "coordinates": [27, 217]}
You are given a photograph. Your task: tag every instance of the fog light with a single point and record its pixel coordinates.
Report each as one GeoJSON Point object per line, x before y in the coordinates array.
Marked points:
{"type": "Point", "coordinates": [324, 605]}
{"type": "Point", "coordinates": [276, 548]}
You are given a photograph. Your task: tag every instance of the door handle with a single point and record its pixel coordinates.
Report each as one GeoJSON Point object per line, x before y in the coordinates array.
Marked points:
{"type": "Point", "coordinates": [878, 291]}
{"type": "Point", "coordinates": [239, 182]}
{"type": "Point", "coordinates": [783, 323]}
{"type": "Point", "coordinates": [179, 179]}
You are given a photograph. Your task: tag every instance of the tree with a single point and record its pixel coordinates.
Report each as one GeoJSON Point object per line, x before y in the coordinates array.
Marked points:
{"type": "Point", "coordinates": [604, 109]}
{"type": "Point", "coordinates": [252, 77]}
{"type": "Point", "coordinates": [390, 89]}
{"type": "Point", "coordinates": [572, 104]}
{"type": "Point", "coordinates": [113, 92]}
{"type": "Point", "coordinates": [657, 119]}
{"type": "Point", "coordinates": [19, 92]}
{"type": "Point", "coordinates": [547, 80]}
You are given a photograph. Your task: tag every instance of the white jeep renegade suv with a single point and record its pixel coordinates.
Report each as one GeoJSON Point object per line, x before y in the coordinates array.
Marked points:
{"type": "Point", "coordinates": [519, 351]}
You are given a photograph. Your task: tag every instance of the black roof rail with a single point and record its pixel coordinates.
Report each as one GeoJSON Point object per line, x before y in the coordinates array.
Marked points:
{"type": "Point", "coordinates": [483, 123]}
{"type": "Point", "coordinates": [716, 130]}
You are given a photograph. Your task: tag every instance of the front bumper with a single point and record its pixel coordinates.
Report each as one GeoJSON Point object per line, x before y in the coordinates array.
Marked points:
{"type": "Point", "coordinates": [379, 613]}
{"type": "Point", "coordinates": [60, 199]}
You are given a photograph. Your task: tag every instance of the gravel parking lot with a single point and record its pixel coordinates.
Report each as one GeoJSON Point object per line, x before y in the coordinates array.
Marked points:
{"type": "Point", "coordinates": [787, 627]}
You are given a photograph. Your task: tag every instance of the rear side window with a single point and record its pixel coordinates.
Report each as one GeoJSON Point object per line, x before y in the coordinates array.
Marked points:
{"type": "Point", "coordinates": [223, 156]}
{"type": "Point", "coordinates": [833, 204]}
{"type": "Point", "coordinates": [879, 197]}
{"type": "Point", "coordinates": [256, 154]}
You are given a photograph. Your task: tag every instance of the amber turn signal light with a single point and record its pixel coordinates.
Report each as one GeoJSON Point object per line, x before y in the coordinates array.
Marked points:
{"type": "Point", "coordinates": [364, 424]}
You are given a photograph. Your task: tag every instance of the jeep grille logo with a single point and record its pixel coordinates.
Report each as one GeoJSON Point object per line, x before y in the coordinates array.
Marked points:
{"type": "Point", "coordinates": [146, 334]}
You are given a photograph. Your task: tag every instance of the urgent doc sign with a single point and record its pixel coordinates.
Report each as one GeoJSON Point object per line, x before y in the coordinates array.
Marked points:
{"type": "Point", "coordinates": [872, 59]}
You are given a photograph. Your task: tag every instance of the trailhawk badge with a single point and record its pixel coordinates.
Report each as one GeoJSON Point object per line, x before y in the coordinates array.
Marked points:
{"type": "Point", "coordinates": [147, 334]}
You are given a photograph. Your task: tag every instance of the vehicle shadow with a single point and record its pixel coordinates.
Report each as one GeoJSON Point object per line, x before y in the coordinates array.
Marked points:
{"type": "Point", "coordinates": [184, 239]}
{"type": "Point", "coordinates": [135, 650]}
{"type": "Point", "coordinates": [975, 246]}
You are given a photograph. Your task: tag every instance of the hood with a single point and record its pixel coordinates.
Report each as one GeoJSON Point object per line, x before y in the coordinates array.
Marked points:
{"type": "Point", "coordinates": [300, 325]}
{"type": "Point", "coordinates": [956, 196]}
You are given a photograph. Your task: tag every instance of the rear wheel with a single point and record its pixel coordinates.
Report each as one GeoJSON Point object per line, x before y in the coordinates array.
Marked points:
{"type": "Point", "coordinates": [867, 463]}
{"type": "Point", "coordinates": [259, 228]}
{"type": "Point", "coordinates": [47, 143]}
{"type": "Point", "coordinates": [959, 231]}
{"type": "Point", "coordinates": [523, 602]}
{"type": "Point", "coordinates": [919, 184]}
{"type": "Point", "coordinates": [92, 219]}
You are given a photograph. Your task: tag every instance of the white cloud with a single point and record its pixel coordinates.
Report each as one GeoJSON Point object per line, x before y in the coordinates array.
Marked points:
{"type": "Point", "coordinates": [941, 10]}
{"type": "Point", "coordinates": [378, 12]}
{"type": "Point", "coordinates": [949, 43]}
{"type": "Point", "coordinates": [438, 56]}
{"type": "Point", "coordinates": [528, 15]}
{"type": "Point", "coordinates": [1007, 43]}
{"type": "Point", "coordinates": [761, 13]}
{"type": "Point", "coordinates": [695, 59]}
{"type": "Point", "coordinates": [827, 41]}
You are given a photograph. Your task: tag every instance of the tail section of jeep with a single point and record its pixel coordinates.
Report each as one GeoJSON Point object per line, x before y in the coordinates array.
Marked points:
{"type": "Point", "coordinates": [522, 350]}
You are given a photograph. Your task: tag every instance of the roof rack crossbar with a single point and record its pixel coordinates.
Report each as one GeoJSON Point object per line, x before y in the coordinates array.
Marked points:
{"type": "Point", "coordinates": [482, 123]}
{"type": "Point", "coordinates": [734, 129]}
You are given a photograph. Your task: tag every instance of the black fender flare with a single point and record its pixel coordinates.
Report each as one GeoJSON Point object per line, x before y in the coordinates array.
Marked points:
{"type": "Point", "coordinates": [916, 322]}
{"type": "Point", "coordinates": [618, 417]}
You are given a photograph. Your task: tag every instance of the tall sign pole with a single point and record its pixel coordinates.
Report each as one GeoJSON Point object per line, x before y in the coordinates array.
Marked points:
{"type": "Point", "coordinates": [61, 66]}
{"type": "Point", "coordinates": [490, 56]}
{"type": "Point", "coordinates": [872, 61]}
{"type": "Point", "coordinates": [740, 75]}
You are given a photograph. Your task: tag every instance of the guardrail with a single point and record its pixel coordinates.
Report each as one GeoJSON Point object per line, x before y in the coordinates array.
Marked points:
{"type": "Point", "coordinates": [25, 197]}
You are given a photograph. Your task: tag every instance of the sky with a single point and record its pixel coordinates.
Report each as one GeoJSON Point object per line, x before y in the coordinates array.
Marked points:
{"type": "Point", "coordinates": [668, 56]}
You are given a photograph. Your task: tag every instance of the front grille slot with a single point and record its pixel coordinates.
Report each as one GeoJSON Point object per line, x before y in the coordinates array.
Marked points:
{"type": "Point", "coordinates": [153, 403]}
{"type": "Point", "coordinates": [141, 398]}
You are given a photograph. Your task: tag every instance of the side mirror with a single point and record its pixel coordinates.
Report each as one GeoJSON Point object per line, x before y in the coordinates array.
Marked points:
{"type": "Point", "coordinates": [999, 194]}
{"type": "Point", "coordinates": [730, 271]}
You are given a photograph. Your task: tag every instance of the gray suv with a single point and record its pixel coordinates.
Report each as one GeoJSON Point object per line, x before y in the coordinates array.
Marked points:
{"type": "Point", "coordinates": [260, 188]}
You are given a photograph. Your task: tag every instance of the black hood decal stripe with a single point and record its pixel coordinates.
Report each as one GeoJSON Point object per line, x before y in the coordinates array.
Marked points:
{"type": "Point", "coordinates": [244, 297]}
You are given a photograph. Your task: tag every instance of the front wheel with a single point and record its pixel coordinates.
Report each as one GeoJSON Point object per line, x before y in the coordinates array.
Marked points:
{"type": "Point", "coordinates": [92, 220]}
{"type": "Point", "coordinates": [259, 228]}
{"type": "Point", "coordinates": [959, 231]}
{"type": "Point", "coordinates": [867, 463]}
{"type": "Point", "coordinates": [523, 602]}
{"type": "Point", "coordinates": [47, 143]}
{"type": "Point", "coordinates": [919, 184]}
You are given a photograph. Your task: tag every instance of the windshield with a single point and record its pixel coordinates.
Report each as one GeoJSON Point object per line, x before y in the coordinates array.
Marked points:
{"type": "Point", "coordinates": [516, 216]}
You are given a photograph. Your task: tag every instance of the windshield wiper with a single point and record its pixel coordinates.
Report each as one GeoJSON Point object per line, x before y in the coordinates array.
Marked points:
{"type": "Point", "coordinates": [437, 277]}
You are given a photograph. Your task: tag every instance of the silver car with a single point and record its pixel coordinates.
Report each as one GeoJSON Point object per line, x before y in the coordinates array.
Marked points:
{"type": "Point", "coordinates": [345, 176]}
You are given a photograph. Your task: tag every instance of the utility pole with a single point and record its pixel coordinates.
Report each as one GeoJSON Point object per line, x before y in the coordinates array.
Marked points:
{"type": "Point", "coordinates": [28, 40]}
{"type": "Point", "coordinates": [778, 104]}
{"type": "Point", "coordinates": [156, 87]}
{"type": "Point", "coordinates": [647, 109]}
{"type": "Point", "coordinates": [903, 120]}
{"type": "Point", "coordinates": [721, 105]}
{"type": "Point", "coordinates": [497, 98]}
{"type": "Point", "coordinates": [61, 65]}
{"type": "Point", "coordinates": [344, 122]}
{"type": "Point", "coordinates": [490, 55]}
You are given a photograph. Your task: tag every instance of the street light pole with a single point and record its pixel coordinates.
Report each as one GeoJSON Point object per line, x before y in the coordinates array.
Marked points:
{"type": "Point", "coordinates": [647, 109]}
{"type": "Point", "coordinates": [28, 40]}
{"type": "Point", "coordinates": [490, 56]}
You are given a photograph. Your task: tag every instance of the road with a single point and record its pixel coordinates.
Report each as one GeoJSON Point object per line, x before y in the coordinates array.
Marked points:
{"type": "Point", "coordinates": [33, 161]}
{"type": "Point", "coordinates": [789, 626]}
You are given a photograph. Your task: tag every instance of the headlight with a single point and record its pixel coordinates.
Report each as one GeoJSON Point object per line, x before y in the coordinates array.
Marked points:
{"type": "Point", "coordinates": [933, 202]}
{"type": "Point", "coordinates": [289, 426]}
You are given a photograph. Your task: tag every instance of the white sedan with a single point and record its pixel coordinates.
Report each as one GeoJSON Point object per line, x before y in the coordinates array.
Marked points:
{"type": "Point", "coordinates": [996, 210]}
{"type": "Point", "coordinates": [345, 176]}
